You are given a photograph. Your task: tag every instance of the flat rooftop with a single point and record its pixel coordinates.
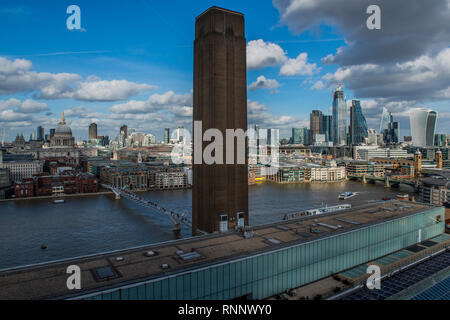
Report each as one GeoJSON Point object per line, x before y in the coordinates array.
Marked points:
{"type": "Point", "coordinates": [47, 281]}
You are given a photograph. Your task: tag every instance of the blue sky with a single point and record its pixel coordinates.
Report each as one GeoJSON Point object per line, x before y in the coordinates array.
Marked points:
{"type": "Point", "coordinates": [133, 63]}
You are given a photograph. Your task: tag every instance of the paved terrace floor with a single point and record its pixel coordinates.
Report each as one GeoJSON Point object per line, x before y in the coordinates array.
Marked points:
{"type": "Point", "coordinates": [48, 281]}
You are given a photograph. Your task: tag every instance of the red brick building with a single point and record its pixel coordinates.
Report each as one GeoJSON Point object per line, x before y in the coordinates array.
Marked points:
{"type": "Point", "coordinates": [46, 185]}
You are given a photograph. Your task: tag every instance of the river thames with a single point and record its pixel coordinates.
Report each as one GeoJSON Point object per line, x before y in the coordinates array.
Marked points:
{"type": "Point", "coordinates": [99, 223]}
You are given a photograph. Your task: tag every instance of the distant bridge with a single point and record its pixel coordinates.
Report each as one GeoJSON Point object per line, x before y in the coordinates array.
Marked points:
{"type": "Point", "coordinates": [388, 181]}
{"type": "Point", "coordinates": [175, 217]}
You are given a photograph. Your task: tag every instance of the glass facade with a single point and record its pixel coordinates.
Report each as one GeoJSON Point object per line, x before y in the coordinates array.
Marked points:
{"type": "Point", "coordinates": [266, 274]}
{"type": "Point", "coordinates": [440, 140]}
{"type": "Point", "coordinates": [386, 118]}
{"type": "Point", "coordinates": [339, 117]}
{"type": "Point", "coordinates": [166, 135]}
{"type": "Point", "coordinates": [327, 124]}
{"type": "Point", "coordinates": [423, 127]}
{"type": "Point", "coordinates": [358, 124]}
{"type": "Point", "coordinates": [300, 136]}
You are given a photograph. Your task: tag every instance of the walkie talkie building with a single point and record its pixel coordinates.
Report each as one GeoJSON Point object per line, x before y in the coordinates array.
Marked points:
{"type": "Point", "coordinates": [423, 127]}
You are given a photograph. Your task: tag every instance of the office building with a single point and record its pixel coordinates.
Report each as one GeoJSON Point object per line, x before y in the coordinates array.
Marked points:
{"type": "Point", "coordinates": [391, 135]}
{"type": "Point", "coordinates": [297, 136]}
{"type": "Point", "coordinates": [19, 166]}
{"type": "Point", "coordinates": [339, 117]}
{"type": "Point", "coordinates": [389, 129]}
{"type": "Point", "coordinates": [372, 137]}
{"type": "Point", "coordinates": [435, 191]}
{"type": "Point", "coordinates": [423, 127]}
{"type": "Point", "coordinates": [220, 193]}
{"type": "Point", "coordinates": [386, 118]}
{"type": "Point", "coordinates": [123, 135]}
{"type": "Point", "coordinates": [273, 137]}
{"type": "Point", "coordinates": [93, 131]}
{"type": "Point", "coordinates": [315, 124]}
{"type": "Point", "coordinates": [327, 125]}
{"type": "Point", "coordinates": [40, 133]}
{"type": "Point", "coordinates": [358, 124]}
{"type": "Point", "coordinates": [166, 136]}
{"type": "Point", "coordinates": [440, 140]}
{"type": "Point", "coordinates": [370, 152]}
{"type": "Point", "coordinates": [300, 136]}
{"type": "Point", "coordinates": [179, 135]}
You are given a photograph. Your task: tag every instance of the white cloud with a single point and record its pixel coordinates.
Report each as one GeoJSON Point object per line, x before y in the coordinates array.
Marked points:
{"type": "Point", "coordinates": [11, 116]}
{"type": "Point", "coordinates": [424, 78]}
{"type": "Point", "coordinates": [298, 66]}
{"type": "Point", "coordinates": [258, 115]}
{"type": "Point", "coordinates": [27, 106]}
{"type": "Point", "coordinates": [114, 90]}
{"type": "Point", "coordinates": [319, 85]}
{"type": "Point", "coordinates": [261, 54]}
{"type": "Point", "coordinates": [156, 102]}
{"type": "Point", "coordinates": [17, 77]}
{"type": "Point", "coordinates": [263, 83]}
{"type": "Point", "coordinates": [409, 28]}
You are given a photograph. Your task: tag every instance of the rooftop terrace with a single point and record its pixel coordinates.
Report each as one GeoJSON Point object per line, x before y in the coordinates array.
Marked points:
{"type": "Point", "coordinates": [109, 270]}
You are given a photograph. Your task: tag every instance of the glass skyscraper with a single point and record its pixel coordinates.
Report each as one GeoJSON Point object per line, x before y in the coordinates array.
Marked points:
{"type": "Point", "coordinates": [327, 125]}
{"type": "Point", "coordinates": [386, 118]}
{"type": "Point", "coordinates": [40, 133]}
{"type": "Point", "coordinates": [423, 127]}
{"type": "Point", "coordinates": [300, 136]}
{"type": "Point", "coordinates": [339, 117]}
{"type": "Point", "coordinates": [166, 135]}
{"type": "Point", "coordinates": [393, 133]}
{"type": "Point", "coordinates": [273, 137]}
{"type": "Point", "coordinates": [358, 124]}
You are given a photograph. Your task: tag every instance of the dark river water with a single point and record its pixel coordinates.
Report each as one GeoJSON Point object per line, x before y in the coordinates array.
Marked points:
{"type": "Point", "coordinates": [96, 224]}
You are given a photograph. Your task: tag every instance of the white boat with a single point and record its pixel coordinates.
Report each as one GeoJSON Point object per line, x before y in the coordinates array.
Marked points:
{"type": "Point", "coordinates": [347, 195]}
{"type": "Point", "coordinates": [58, 201]}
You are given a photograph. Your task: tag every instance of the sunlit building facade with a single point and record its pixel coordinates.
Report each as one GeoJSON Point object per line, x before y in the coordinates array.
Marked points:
{"type": "Point", "coordinates": [358, 124]}
{"type": "Point", "coordinates": [386, 119]}
{"type": "Point", "coordinates": [339, 117]}
{"type": "Point", "coordinates": [423, 127]}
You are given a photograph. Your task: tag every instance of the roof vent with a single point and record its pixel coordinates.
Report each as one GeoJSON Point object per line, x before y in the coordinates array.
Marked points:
{"type": "Point", "coordinates": [189, 256]}
{"type": "Point", "coordinates": [105, 273]}
{"type": "Point", "coordinates": [273, 241]}
{"type": "Point", "coordinates": [150, 253]}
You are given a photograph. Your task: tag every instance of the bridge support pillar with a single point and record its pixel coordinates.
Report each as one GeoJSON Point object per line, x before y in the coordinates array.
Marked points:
{"type": "Point", "coordinates": [364, 179]}
{"type": "Point", "coordinates": [387, 183]}
{"type": "Point", "coordinates": [117, 196]}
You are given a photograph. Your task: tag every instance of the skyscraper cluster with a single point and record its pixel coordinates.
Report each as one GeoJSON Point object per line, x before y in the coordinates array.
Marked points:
{"type": "Point", "coordinates": [388, 128]}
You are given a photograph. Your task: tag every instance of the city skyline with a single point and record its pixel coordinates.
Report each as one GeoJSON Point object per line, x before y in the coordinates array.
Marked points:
{"type": "Point", "coordinates": [291, 70]}
{"type": "Point", "coordinates": [198, 194]}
